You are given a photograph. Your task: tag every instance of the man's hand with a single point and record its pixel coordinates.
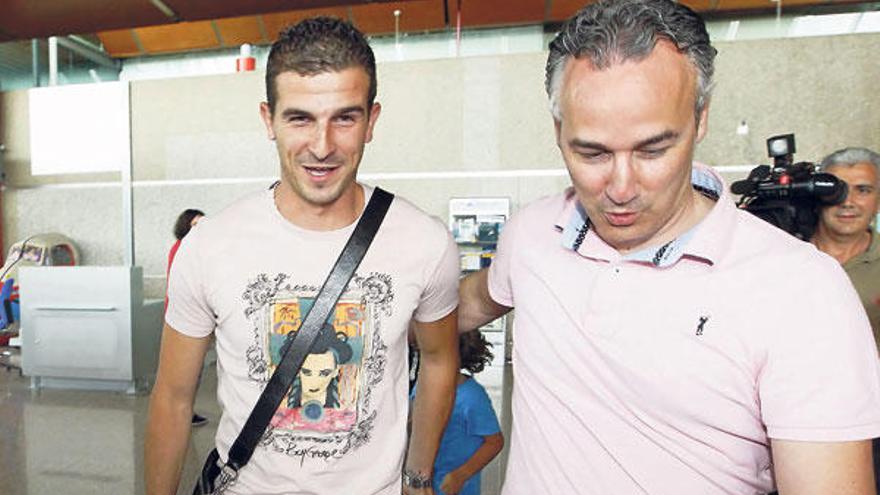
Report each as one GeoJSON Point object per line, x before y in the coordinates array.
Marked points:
{"type": "Point", "coordinates": [452, 483]}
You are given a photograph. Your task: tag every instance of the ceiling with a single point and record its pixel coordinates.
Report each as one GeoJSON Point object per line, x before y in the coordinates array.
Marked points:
{"type": "Point", "coordinates": [128, 28]}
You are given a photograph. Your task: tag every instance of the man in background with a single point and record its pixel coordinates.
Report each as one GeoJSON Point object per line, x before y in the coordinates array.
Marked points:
{"type": "Point", "coordinates": [846, 232]}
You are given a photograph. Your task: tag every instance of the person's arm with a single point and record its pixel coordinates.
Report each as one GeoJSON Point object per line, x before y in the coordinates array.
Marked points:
{"type": "Point", "coordinates": [438, 370]}
{"type": "Point", "coordinates": [476, 306]}
{"type": "Point", "coordinates": [170, 414]}
{"type": "Point", "coordinates": [492, 445]}
{"type": "Point", "coordinates": [818, 468]}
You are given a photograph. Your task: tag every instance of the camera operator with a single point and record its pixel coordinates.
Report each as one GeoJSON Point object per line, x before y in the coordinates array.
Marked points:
{"type": "Point", "coordinates": [844, 231]}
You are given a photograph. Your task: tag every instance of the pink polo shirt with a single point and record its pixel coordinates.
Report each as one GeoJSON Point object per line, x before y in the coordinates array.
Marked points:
{"type": "Point", "coordinates": [669, 370]}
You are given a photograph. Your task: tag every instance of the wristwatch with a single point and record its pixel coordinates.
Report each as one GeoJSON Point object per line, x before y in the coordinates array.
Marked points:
{"type": "Point", "coordinates": [416, 480]}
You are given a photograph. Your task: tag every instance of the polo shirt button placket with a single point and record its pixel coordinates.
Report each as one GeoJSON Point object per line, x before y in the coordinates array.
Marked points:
{"type": "Point", "coordinates": [615, 299]}
{"type": "Point", "coordinates": [604, 292]}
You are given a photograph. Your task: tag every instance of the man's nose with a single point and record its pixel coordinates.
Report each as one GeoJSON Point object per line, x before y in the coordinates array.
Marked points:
{"type": "Point", "coordinates": [621, 188]}
{"type": "Point", "coordinates": [848, 199]}
{"type": "Point", "coordinates": [321, 144]}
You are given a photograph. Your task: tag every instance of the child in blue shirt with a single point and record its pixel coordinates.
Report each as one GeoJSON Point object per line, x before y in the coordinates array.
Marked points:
{"type": "Point", "coordinates": [472, 437]}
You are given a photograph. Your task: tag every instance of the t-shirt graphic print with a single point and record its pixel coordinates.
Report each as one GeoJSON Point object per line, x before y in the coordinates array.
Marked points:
{"type": "Point", "coordinates": [328, 410]}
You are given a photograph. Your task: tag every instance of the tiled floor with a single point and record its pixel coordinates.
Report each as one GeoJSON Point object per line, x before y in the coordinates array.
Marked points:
{"type": "Point", "coordinates": [88, 443]}
{"type": "Point", "coordinates": [81, 442]}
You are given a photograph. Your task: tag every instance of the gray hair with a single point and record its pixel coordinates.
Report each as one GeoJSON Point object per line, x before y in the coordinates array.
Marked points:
{"type": "Point", "coordinates": [848, 157]}
{"type": "Point", "coordinates": [614, 31]}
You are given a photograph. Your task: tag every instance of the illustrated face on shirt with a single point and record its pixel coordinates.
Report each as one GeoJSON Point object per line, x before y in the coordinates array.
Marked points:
{"type": "Point", "coordinates": [627, 134]}
{"type": "Point", "coordinates": [317, 372]}
{"type": "Point", "coordinates": [320, 125]}
{"type": "Point", "coordinates": [855, 214]}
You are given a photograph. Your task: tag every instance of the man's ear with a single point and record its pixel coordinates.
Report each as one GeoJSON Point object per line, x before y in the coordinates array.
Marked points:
{"type": "Point", "coordinates": [375, 110]}
{"type": "Point", "coordinates": [266, 115]}
{"type": "Point", "coordinates": [557, 126]}
{"type": "Point", "coordinates": [703, 122]}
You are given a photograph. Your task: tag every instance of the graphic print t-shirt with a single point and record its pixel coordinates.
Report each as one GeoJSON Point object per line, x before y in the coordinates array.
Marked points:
{"type": "Point", "coordinates": [250, 276]}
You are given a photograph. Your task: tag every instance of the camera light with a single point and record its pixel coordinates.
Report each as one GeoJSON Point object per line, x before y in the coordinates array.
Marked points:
{"type": "Point", "coordinates": [779, 147]}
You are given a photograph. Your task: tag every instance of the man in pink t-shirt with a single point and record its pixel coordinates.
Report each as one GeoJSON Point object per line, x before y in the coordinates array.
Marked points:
{"type": "Point", "coordinates": [665, 341]}
{"type": "Point", "coordinates": [249, 274]}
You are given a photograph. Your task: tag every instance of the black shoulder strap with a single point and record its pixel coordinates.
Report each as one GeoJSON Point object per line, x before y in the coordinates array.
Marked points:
{"type": "Point", "coordinates": [292, 359]}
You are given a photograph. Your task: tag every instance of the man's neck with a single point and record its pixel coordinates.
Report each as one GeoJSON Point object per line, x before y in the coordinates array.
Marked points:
{"type": "Point", "coordinates": [333, 216]}
{"type": "Point", "coordinates": [695, 209]}
{"type": "Point", "coordinates": [841, 247]}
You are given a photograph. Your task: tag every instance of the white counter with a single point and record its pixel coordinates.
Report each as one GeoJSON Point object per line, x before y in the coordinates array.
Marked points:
{"type": "Point", "coordinates": [88, 327]}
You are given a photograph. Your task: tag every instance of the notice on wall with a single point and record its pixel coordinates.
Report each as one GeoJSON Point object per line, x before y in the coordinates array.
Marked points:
{"type": "Point", "coordinates": [80, 128]}
{"type": "Point", "coordinates": [478, 220]}
{"type": "Point", "coordinates": [476, 224]}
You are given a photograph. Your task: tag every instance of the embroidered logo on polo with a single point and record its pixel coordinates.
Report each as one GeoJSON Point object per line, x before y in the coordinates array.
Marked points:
{"type": "Point", "coordinates": [701, 324]}
{"type": "Point", "coordinates": [329, 411]}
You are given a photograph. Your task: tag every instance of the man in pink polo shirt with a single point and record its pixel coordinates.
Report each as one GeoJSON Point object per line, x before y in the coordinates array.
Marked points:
{"type": "Point", "coordinates": [665, 341]}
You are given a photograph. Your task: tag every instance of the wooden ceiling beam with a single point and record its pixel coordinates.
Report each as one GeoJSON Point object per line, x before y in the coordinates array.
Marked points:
{"type": "Point", "coordinates": [480, 13]}
{"type": "Point", "coordinates": [415, 16]}
{"type": "Point", "coordinates": [120, 43]}
{"type": "Point", "coordinates": [274, 23]}
{"type": "Point", "coordinates": [372, 17]}
{"type": "Point", "coordinates": [25, 19]}
{"type": "Point", "coordinates": [236, 31]}
{"type": "Point", "coordinates": [215, 9]}
{"type": "Point", "coordinates": [183, 36]}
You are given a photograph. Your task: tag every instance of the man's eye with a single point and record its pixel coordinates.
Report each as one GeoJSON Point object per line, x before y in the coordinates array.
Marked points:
{"type": "Point", "coordinates": [345, 119]}
{"type": "Point", "coordinates": [652, 153]}
{"type": "Point", "coordinates": [298, 119]}
{"type": "Point", "coordinates": [592, 156]}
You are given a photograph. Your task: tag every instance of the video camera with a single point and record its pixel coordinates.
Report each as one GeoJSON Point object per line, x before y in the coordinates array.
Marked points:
{"type": "Point", "coordinates": [788, 195]}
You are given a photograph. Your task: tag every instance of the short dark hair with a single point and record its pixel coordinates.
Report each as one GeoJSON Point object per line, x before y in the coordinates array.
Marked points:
{"type": "Point", "coordinates": [473, 348]}
{"type": "Point", "coordinates": [184, 222]}
{"type": "Point", "coordinates": [614, 31]}
{"type": "Point", "coordinates": [319, 45]}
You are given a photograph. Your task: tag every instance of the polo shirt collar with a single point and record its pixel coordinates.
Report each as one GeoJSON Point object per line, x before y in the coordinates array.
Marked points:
{"type": "Point", "coordinates": [705, 241]}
